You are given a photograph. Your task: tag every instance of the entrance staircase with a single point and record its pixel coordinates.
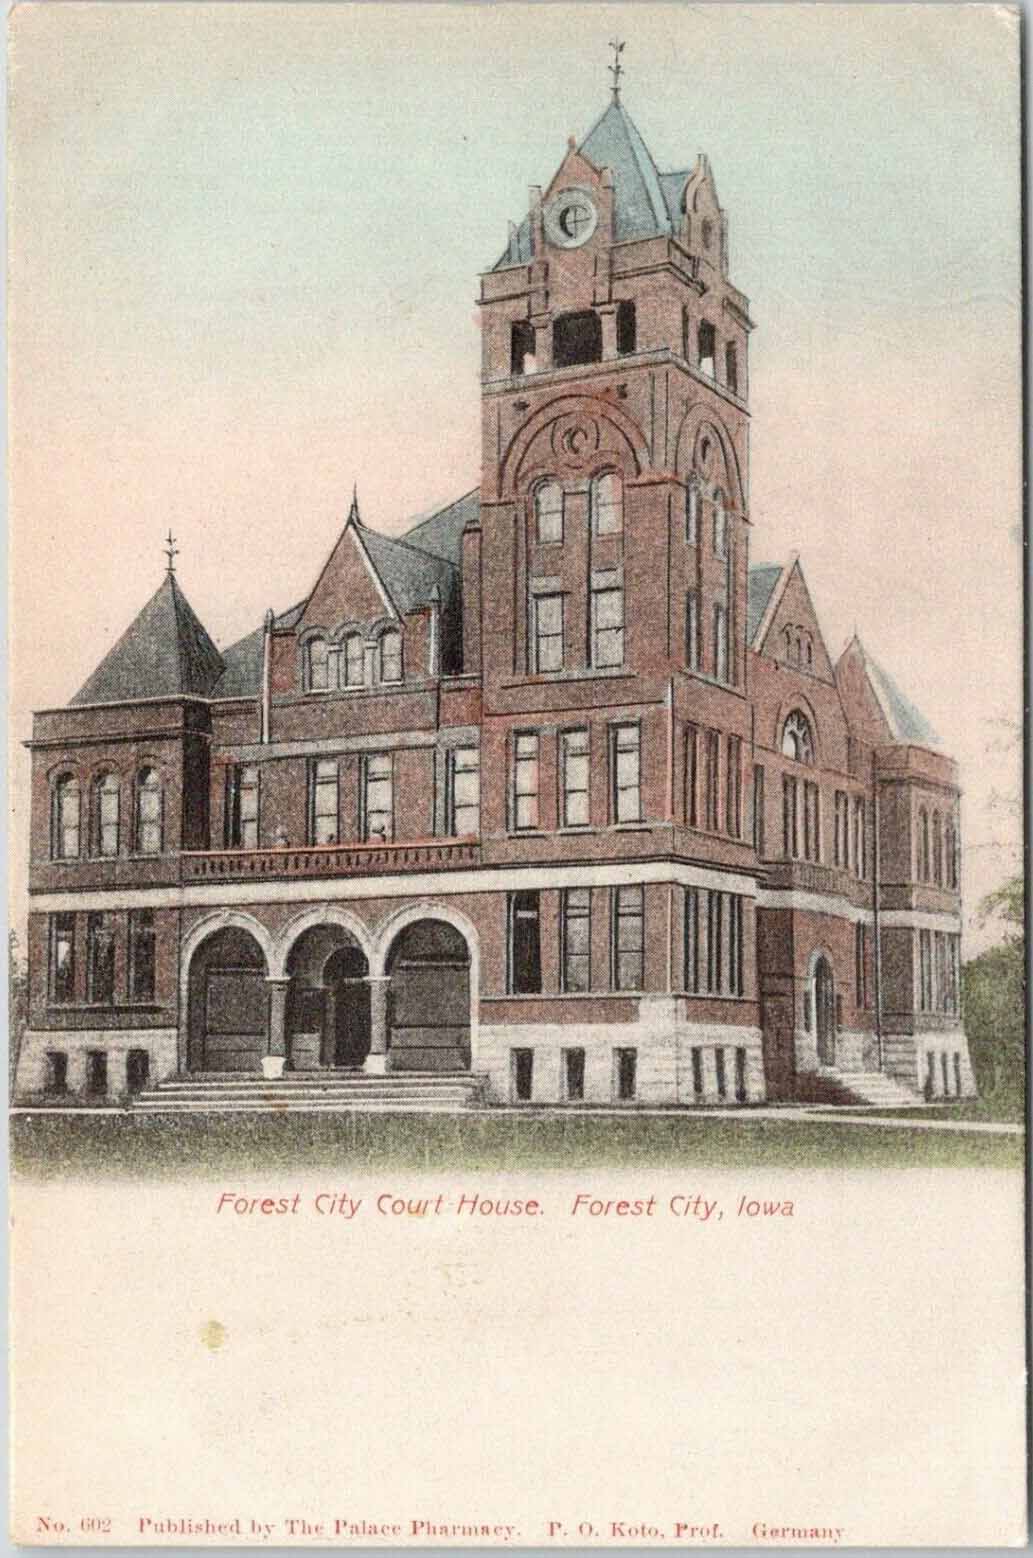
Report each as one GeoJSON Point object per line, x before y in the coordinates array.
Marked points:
{"type": "Point", "coordinates": [315, 1092]}
{"type": "Point", "coordinates": [873, 1089]}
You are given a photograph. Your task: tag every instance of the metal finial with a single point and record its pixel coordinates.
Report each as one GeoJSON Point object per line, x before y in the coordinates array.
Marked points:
{"type": "Point", "coordinates": [616, 69]}
{"type": "Point", "coordinates": [171, 551]}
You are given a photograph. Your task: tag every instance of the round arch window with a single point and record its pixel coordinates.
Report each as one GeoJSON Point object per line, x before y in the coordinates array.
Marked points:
{"type": "Point", "coordinates": [797, 740]}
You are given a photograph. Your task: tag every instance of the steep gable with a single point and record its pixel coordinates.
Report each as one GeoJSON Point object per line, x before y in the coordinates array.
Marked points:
{"type": "Point", "coordinates": [875, 704]}
{"type": "Point", "coordinates": [787, 628]}
{"type": "Point", "coordinates": [349, 588]}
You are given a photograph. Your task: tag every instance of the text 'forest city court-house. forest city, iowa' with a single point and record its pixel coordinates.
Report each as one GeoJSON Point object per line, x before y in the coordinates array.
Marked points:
{"type": "Point", "coordinates": [554, 798]}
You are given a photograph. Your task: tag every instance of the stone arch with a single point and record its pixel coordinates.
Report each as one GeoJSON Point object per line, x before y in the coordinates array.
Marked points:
{"type": "Point", "coordinates": [396, 924]}
{"type": "Point", "coordinates": [327, 914]}
{"type": "Point", "coordinates": [224, 1010]}
{"type": "Point", "coordinates": [696, 415]}
{"type": "Point", "coordinates": [572, 431]}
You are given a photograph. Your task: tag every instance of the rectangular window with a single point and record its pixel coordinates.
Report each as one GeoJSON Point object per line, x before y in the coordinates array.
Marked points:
{"type": "Point", "coordinates": [732, 368]}
{"type": "Point", "coordinates": [733, 788]}
{"type": "Point", "coordinates": [860, 861]}
{"type": "Point", "coordinates": [711, 778]}
{"type": "Point", "coordinates": [607, 628]}
{"type": "Point", "coordinates": [625, 774]}
{"type": "Point", "coordinates": [628, 938]}
{"type": "Point", "coordinates": [525, 780]}
{"type": "Point", "coordinates": [715, 942]}
{"type": "Point", "coordinates": [548, 633]}
{"type": "Point", "coordinates": [62, 957]}
{"type": "Point", "coordinates": [576, 930]}
{"type": "Point", "coordinates": [692, 630]}
{"type": "Point", "coordinates": [100, 960]}
{"type": "Point", "coordinates": [525, 951]}
{"type": "Point", "coordinates": [740, 1075]}
{"type": "Point", "coordinates": [574, 1075]}
{"type": "Point", "coordinates": [522, 1061]}
{"type": "Point", "coordinates": [841, 840]}
{"type": "Point", "coordinates": [56, 1080]}
{"type": "Point", "coordinates": [692, 928]}
{"type": "Point", "coordinates": [759, 839]}
{"type": "Point", "coordinates": [706, 345]}
{"type": "Point", "coordinates": [719, 1065]}
{"type": "Point", "coordinates": [811, 821]}
{"type": "Point", "coordinates": [323, 823]}
{"type": "Point", "coordinates": [925, 971]}
{"type": "Point", "coordinates": [108, 802]}
{"type": "Point", "coordinates": [521, 347]}
{"type": "Point", "coordinates": [463, 798]}
{"type": "Point", "coordinates": [720, 642]}
{"type": "Point", "coordinates": [735, 937]}
{"type": "Point", "coordinates": [141, 954]}
{"type": "Point", "coordinates": [378, 802]}
{"type": "Point", "coordinates": [697, 1071]}
{"type": "Point", "coordinates": [626, 1068]}
{"type": "Point", "coordinates": [242, 806]}
{"type": "Point", "coordinates": [574, 808]}
{"type": "Point", "coordinates": [625, 327]}
{"type": "Point", "coordinates": [790, 824]}
{"type": "Point", "coordinates": [692, 513]}
{"type": "Point", "coordinates": [861, 965]}
{"type": "Point", "coordinates": [97, 1073]}
{"type": "Point", "coordinates": [692, 776]}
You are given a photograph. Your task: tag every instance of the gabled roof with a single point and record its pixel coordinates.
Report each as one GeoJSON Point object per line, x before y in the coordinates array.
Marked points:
{"type": "Point", "coordinates": [762, 581]}
{"type": "Point", "coordinates": [408, 574]}
{"type": "Point", "coordinates": [441, 533]}
{"type": "Point", "coordinates": [242, 677]}
{"type": "Point", "coordinates": [906, 723]}
{"type": "Point", "coordinates": [164, 653]}
{"type": "Point", "coordinates": [645, 202]}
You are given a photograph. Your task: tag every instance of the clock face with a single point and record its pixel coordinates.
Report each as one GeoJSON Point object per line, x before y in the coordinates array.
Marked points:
{"type": "Point", "coordinates": [571, 218]}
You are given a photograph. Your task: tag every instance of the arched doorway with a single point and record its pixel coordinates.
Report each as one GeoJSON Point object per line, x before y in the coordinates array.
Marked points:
{"type": "Point", "coordinates": [825, 1011]}
{"type": "Point", "coordinates": [328, 1010]}
{"type": "Point", "coordinates": [227, 1004]}
{"type": "Point", "coordinates": [429, 999]}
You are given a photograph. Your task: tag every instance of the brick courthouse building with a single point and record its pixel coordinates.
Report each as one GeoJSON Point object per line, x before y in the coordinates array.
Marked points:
{"type": "Point", "coordinates": [555, 797]}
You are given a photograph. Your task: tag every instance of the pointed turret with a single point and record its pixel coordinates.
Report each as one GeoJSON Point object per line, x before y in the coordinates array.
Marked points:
{"type": "Point", "coordinates": [165, 653]}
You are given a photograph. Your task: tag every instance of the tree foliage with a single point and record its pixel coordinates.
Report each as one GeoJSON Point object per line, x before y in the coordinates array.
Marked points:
{"type": "Point", "coordinates": [994, 994]}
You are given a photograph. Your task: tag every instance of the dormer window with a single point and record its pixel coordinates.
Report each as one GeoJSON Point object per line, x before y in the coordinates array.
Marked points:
{"type": "Point", "coordinates": [797, 741]}
{"type": "Point", "coordinates": [391, 656]}
{"type": "Point", "coordinates": [608, 504]}
{"type": "Point", "coordinates": [548, 512]}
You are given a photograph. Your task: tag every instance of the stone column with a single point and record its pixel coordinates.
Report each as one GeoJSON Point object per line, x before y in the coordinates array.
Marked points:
{"type": "Point", "coordinates": [376, 1061]}
{"type": "Point", "coordinates": [278, 1015]}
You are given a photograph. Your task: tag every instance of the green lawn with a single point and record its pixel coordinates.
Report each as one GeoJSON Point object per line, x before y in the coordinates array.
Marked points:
{"type": "Point", "coordinates": [51, 1146]}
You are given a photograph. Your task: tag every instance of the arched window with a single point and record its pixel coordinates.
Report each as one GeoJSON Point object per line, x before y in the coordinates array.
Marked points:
{"type": "Point", "coordinates": [923, 845]}
{"type": "Point", "coordinates": [937, 849]}
{"type": "Point", "coordinates": [608, 504]}
{"type": "Point", "coordinates": [788, 636]}
{"type": "Point", "coordinates": [720, 525]}
{"type": "Point", "coordinates": [548, 511]}
{"type": "Point", "coordinates": [391, 656]}
{"type": "Point", "coordinates": [797, 741]}
{"type": "Point", "coordinates": [148, 812]}
{"type": "Point", "coordinates": [106, 806]}
{"type": "Point", "coordinates": [950, 852]}
{"type": "Point", "coordinates": [810, 654]}
{"type": "Point", "coordinates": [706, 346]}
{"type": "Point", "coordinates": [317, 656]}
{"type": "Point", "coordinates": [686, 331]}
{"type": "Point", "coordinates": [353, 660]}
{"type": "Point", "coordinates": [692, 512]}
{"type": "Point", "coordinates": [65, 833]}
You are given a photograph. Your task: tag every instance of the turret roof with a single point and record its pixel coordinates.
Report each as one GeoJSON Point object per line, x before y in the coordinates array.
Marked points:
{"type": "Point", "coordinates": [165, 652]}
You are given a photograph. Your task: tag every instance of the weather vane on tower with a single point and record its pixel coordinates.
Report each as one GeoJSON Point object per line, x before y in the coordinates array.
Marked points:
{"type": "Point", "coordinates": [171, 551]}
{"type": "Point", "coordinates": [616, 69]}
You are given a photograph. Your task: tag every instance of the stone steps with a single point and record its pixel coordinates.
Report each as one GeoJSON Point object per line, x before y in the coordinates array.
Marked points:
{"type": "Point", "coordinates": [228, 1092]}
{"type": "Point", "coordinates": [858, 1087]}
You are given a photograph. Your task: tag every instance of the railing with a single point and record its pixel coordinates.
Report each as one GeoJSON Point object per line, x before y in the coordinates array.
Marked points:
{"type": "Point", "coordinates": [809, 876]}
{"type": "Point", "coordinates": [315, 860]}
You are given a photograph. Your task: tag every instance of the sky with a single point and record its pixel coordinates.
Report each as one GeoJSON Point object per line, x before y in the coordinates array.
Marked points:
{"type": "Point", "coordinates": [244, 253]}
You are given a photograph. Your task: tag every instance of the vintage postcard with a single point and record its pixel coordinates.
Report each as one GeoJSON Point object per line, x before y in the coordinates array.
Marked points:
{"type": "Point", "coordinates": [516, 901]}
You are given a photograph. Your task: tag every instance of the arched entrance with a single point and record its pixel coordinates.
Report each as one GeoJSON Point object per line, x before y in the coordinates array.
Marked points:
{"type": "Point", "coordinates": [825, 1011]}
{"type": "Point", "coordinates": [328, 1009]}
{"type": "Point", "coordinates": [227, 1003]}
{"type": "Point", "coordinates": [429, 999]}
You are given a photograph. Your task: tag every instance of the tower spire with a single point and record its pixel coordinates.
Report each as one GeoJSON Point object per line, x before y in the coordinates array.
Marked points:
{"type": "Point", "coordinates": [171, 551]}
{"type": "Point", "coordinates": [616, 69]}
{"type": "Point", "coordinates": [353, 512]}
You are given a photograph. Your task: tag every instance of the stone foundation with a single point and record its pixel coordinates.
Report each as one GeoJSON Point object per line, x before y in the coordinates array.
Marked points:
{"type": "Point", "coordinates": [35, 1069]}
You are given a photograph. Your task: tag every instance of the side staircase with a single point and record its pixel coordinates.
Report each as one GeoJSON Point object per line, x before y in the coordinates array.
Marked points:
{"type": "Point", "coordinates": [315, 1092]}
{"type": "Point", "coordinates": [873, 1089]}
